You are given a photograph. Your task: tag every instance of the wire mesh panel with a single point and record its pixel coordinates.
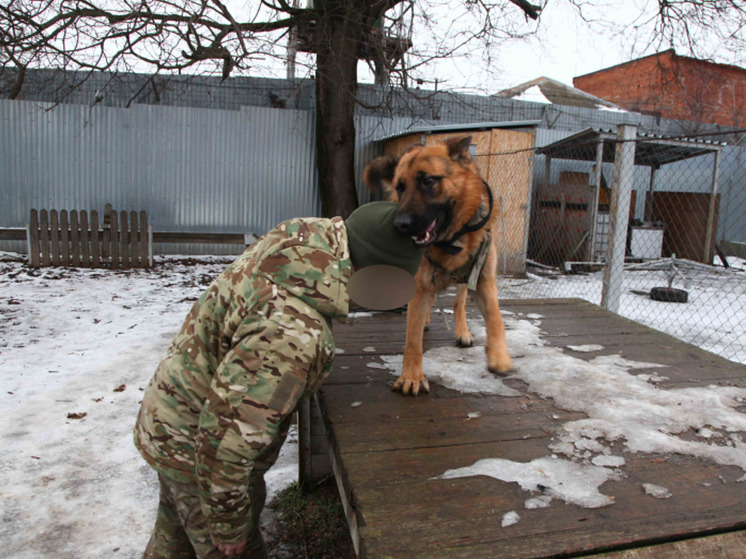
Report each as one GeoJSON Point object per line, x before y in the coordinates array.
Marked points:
{"type": "Point", "coordinates": [652, 228]}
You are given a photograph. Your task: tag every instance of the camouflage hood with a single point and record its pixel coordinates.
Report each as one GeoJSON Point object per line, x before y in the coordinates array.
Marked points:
{"type": "Point", "coordinates": [310, 258]}
{"type": "Point", "coordinates": [257, 341]}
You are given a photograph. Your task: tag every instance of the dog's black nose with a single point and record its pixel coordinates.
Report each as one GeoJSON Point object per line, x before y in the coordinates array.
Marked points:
{"type": "Point", "coordinates": [403, 222]}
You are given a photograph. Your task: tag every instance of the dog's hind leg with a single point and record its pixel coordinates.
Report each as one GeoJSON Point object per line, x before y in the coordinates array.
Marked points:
{"type": "Point", "coordinates": [498, 359]}
{"type": "Point", "coordinates": [464, 337]}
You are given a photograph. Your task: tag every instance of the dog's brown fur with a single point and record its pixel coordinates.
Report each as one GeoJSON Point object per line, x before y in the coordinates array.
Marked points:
{"type": "Point", "coordinates": [442, 182]}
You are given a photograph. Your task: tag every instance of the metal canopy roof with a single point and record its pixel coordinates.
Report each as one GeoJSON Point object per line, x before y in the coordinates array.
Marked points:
{"type": "Point", "coordinates": [460, 127]}
{"type": "Point", "coordinates": [650, 150]}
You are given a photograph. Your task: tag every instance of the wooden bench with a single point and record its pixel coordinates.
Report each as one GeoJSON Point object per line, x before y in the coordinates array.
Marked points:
{"type": "Point", "coordinates": [75, 238]}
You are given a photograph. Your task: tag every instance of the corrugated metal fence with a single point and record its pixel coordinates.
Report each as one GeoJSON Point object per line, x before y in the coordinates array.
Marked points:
{"type": "Point", "coordinates": [203, 170]}
{"type": "Point", "coordinates": [191, 169]}
{"type": "Point", "coordinates": [197, 170]}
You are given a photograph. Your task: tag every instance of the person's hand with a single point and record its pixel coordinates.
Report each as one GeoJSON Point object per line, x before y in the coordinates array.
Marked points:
{"type": "Point", "coordinates": [231, 549]}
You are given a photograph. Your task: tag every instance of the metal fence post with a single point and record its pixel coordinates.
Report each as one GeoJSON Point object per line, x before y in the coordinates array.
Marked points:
{"type": "Point", "coordinates": [711, 232]}
{"type": "Point", "coordinates": [621, 192]}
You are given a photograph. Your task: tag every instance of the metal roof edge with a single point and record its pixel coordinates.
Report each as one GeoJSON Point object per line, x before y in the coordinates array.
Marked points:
{"type": "Point", "coordinates": [463, 126]}
{"type": "Point", "coordinates": [609, 135]}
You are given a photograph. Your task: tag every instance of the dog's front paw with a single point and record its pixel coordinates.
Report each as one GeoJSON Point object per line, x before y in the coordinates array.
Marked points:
{"type": "Point", "coordinates": [411, 383]}
{"type": "Point", "coordinates": [465, 340]}
{"type": "Point", "coordinates": [500, 365]}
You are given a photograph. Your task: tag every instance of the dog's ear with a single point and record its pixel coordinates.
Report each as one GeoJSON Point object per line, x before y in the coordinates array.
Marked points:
{"type": "Point", "coordinates": [379, 175]}
{"type": "Point", "coordinates": [458, 148]}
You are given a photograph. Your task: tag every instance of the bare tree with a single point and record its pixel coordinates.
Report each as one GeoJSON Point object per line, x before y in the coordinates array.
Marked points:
{"type": "Point", "coordinates": [228, 37]}
{"type": "Point", "coordinates": [694, 27]}
{"type": "Point", "coordinates": [214, 36]}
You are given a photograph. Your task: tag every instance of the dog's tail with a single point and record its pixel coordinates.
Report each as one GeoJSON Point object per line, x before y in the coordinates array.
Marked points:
{"type": "Point", "coordinates": [379, 177]}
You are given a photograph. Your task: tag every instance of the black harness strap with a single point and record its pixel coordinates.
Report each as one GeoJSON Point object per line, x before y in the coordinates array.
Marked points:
{"type": "Point", "coordinates": [448, 246]}
{"type": "Point", "coordinates": [468, 273]}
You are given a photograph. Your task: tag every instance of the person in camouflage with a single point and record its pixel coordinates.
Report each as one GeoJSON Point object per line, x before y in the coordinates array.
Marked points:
{"type": "Point", "coordinates": [217, 410]}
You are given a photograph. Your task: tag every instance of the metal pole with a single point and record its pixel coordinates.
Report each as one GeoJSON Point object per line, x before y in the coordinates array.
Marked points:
{"type": "Point", "coordinates": [594, 201]}
{"type": "Point", "coordinates": [529, 206]}
{"type": "Point", "coordinates": [706, 254]}
{"type": "Point", "coordinates": [649, 197]}
{"type": "Point", "coordinates": [621, 192]}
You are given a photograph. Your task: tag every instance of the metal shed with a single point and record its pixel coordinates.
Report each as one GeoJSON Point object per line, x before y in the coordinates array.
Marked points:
{"type": "Point", "coordinates": [601, 146]}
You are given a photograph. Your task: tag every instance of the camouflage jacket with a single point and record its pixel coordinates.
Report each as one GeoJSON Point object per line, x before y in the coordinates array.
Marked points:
{"type": "Point", "coordinates": [256, 342]}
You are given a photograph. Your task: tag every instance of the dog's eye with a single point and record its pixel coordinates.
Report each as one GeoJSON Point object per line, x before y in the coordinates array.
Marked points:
{"type": "Point", "coordinates": [400, 187]}
{"type": "Point", "coordinates": [428, 183]}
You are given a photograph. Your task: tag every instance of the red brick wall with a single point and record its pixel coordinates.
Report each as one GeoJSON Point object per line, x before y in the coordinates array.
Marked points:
{"type": "Point", "coordinates": [673, 86]}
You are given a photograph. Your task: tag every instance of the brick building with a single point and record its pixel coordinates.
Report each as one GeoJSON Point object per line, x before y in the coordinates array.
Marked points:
{"type": "Point", "coordinates": [672, 86]}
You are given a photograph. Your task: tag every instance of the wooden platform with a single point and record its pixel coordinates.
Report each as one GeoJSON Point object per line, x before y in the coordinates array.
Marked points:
{"type": "Point", "coordinates": [386, 449]}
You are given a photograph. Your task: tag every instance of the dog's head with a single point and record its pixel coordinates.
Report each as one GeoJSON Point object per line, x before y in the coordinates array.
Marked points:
{"type": "Point", "coordinates": [438, 188]}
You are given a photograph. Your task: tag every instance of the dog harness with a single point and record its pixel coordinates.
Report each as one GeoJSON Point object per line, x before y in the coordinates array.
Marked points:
{"type": "Point", "coordinates": [448, 246]}
{"type": "Point", "coordinates": [468, 273]}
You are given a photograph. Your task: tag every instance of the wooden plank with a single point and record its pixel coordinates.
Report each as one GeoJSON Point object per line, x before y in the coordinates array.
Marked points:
{"type": "Point", "coordinates": [144, 242]}
{"type": "Point", "coordinates": [85, 248]}
{"type": "Point", "coordinates": [113, 235]}
{"type": "Point", "coordinates": [64, 238]}
{"type": "Point", "coordinates": [106, 241]}
{"type": "Point", "coordinates": [191, 237]}
{"type": "Point", "coordinates": [388, 451]}
{"type": "Point", "coordinates": [462, 517]}
{"type": "Point", "coordinates": [74, 239]}
{"type": "Point", "coordinates": [134, 239]}
{"type": "Point", "coordinates": [720, 546]}
{"type": "Point", "coordinates": [44, 237]}
{"type": "Point", "coordinates": [510, 178]}
{"type": "Point", "coordinates": [397, 146]}
{"type": "Point", "coordinates": [198, 237]}
{"type": "Point", "coordinates": [95, 242]}
{"type": "Point", "coordinates": [33, 233]}
{"type": "Point", "coordinates": [124, 239]}
{"type": "Point", "coordinates": [54, 238]}
{"type": "Point", "coordinates": [13, 234]}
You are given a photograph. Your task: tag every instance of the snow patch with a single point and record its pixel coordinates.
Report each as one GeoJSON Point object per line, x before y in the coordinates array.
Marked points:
{"type": "Point", "coordinates": [466, 372]}
{"type": "Point", "coordinates": [587, 348]}
{"type": "Point", "coordinates": [571, 482]}
{"type": "Point", "coordinates": [540, 502]}
{"type": "Point", "coordinates": [78, 347]}
{"type": "Point", "coordinates": [510, 518]}
{"type": "Point", "coordinates": [608, 461]}
{"type": "Point", "coordinates": [621, 398]}
{"type": "Point", "coordinates": [657, 491]}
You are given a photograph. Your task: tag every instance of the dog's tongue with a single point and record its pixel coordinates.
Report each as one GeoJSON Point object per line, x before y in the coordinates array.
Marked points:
{"type": "Point", "coordinates": [427, 236]}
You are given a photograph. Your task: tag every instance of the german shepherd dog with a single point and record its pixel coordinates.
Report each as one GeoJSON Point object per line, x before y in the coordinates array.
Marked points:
{"type": "Point", "coordinates": [446, 206]}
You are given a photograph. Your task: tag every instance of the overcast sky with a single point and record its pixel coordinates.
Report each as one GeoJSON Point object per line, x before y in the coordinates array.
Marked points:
{"type": "Point", "coordinates": [564, 46]}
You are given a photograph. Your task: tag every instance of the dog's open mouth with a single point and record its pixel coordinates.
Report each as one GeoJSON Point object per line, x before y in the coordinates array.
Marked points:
{"type": "Point", "coordinates": [428, 236]}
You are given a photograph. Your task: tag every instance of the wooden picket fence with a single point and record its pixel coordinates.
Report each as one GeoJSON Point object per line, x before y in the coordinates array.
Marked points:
{"type": "Point", "coordinates": [75, 238]}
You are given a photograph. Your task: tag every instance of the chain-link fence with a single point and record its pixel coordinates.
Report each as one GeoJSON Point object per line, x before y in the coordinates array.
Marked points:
{"type": "Point", "coordinates": [651, 228]}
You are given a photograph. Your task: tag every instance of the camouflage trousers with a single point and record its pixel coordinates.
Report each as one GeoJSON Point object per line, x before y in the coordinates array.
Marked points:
{"type": "Point", "coordinates": [180, 530]}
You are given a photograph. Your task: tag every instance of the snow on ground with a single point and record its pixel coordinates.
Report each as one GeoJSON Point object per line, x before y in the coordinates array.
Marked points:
{"type": "Point", "coordinates": [77, 347]}
{"type": "Point", "coordinates": [714, 318]}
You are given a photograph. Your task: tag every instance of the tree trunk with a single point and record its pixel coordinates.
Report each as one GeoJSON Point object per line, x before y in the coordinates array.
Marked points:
{"type": "Point", "coordinates": [337, 36]}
